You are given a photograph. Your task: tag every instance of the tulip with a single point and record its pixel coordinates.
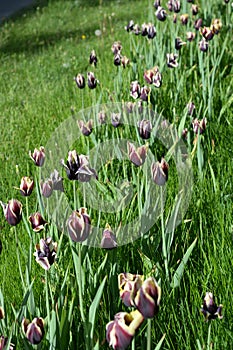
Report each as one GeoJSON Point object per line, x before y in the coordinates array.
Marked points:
{"type": "Point", "coordinates": [120, 332]}
{"type": "Point", "coordinates": [209, 309]}
{"type": "Point", "coordinates": [207, 33]}
{"type": "Point", "coordinates": [191, 108]}
{"type": "Point", "coordinates": [137, 155]}
{"type": "Point", "coordinates": [12, 211]}
{"type": "Point", "coordinates": [80, 81]}
{"type": "Point", "coordinates": [151, 31]}
{"type": "Point", "coordinates": [129, 285]}
{"type": "Point", "coordinates": [194, 10]}
{"type": "Point", "coordinates": [102, 116]}
{"type": "Point", "coordinates": [93, 58]}
{"type": "Point", "coordinates": [159, 171]}
{"type": "Point", "coordinates": [190, 36]}
{"type": "Point", "coordinates": [172, 60]}
{"type": "Point", "coordinates": [109, 239]}
{"type": "Point", "coordinates": [157, 3]}
{"type": "Point", "coordinates": [179, 43]}
{"type": "Point", "coordinates": [46, 253]}
{"type": "Point", "coordinates": [117, 59]}
{"type": "Point", "coordinates": [198, 23]}
{"type": "Point", "coordinates": [116, 47]}
{"type": "Point", "coordinates": [37, 222]}
{"type": "Point", "coordinates": [144, 129]}
{"type": "Point", "coordinates": [130, 26]}
{"type": "Point", "coordinates": [125, 61]}
{"type": "Point", "coordinates": [85, 128]}
{"type": "Point", "coordinates": [148, 297]}
{"type": "Point", "coordinates": [144, 93]}
{"type": "Point", "coordinates": [153, 76]}
{"type": "Point", "coordinates": [79, 225]}
{"type": "Point", "coordinates": [26, 186]}
{"type": "Point", "coordinates": [203, 45]}
{"type": "Point", "coordinates": [91, 80]}
{"type": "Point", "coordinates": [134, 89]}
{"type": "Point", "coordinates": [3, 344]}
{"type": "Point", "coordinates": [57, 181]}
{"type": "Point", "coordinates": [144, 29]}
{"type": "Point", "coordinates": [161, 14]}
{"type": "Point", "coordinates": [173, 6]}
{"type": "Point", "coordinates": [184, 19]}
{"type": "Point", "coordinates": [216, 25]}
{"type": "Point", "coordinates": [116, 119]}
{"type": "Point", "coordinates": [136, 29]}
{"type": "Point", "coordinates": [2, 313]}
{"type": "Point", "coordinates": [38, 156]}
{"type": "Point", "coordinates": [46, 188]}
{"type": "Point", "coordinates": [33, 331]}
{"type": "Point", "coordinates": [199, 125]}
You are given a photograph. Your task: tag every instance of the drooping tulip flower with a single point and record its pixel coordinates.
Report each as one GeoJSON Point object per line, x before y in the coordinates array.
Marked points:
{"type": "Point", "coordinates": [12, 211]}
{"type": "Point", "coordinates": [144, 128]}
{"type": "Point", "coordinates": [129, 285]}
{"type": "Point", "coordinates": [209, 309]}
{"type": "Point", "coordinates": [85, 127]}
{"type": "Point", "coordinates": [33, 331]}
{"type": "Point", "coordinates": [108, 239]}
{"type": "Point", "coordinates": [46, 253]}
{"type": "Point", "coordinates": [26, 186]}
{"type": "Point", "coordinates": [38, 156]}
{"type": "Point", "coordinates": [159, 171]}
{"type": "Point", "coordinates": [148, 297]}
{"type": "Point", "coordinates": [37, 222]}
{"type": "Point", "coordinates": [79, 225]}
{"type": "Point", "coordinates": [120, 332]}
{"type": "Point", "coordinates": [161, 14]}
{"type": "Point", "coordinates": [172, 60]}
{"type": "Point", "coordinates": [93, 58]}
{"type": "Point", "coordinates": [80, 81]}
{"type": "Point", "coordinates": [137, 155]}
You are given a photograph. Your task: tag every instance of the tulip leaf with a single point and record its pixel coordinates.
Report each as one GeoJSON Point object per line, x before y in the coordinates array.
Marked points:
{"type": "Point", "coordinates": [158, 346]}
{"type": "Point", "coordinates": [180, 270]}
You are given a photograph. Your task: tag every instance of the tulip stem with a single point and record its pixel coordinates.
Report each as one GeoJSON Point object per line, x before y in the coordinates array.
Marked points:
{"type": "Point", "coordinates": [47, 296]}
{"type": "Point", "coordinates": [164, 245]}
{"type": "Point", "coordinates": [18, 258]}
{"type": "Point", "coordinates": [148, 343]}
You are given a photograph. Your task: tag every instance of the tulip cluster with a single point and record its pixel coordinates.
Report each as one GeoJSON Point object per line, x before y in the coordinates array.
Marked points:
{"type": "Point", "coordinates": [118, 58]}
{"type": "Point", "coordinates": [144, 295]}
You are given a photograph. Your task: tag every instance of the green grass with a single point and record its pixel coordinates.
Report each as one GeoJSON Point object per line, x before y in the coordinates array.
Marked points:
{"type": "Point", "coordinates": [41, 50]}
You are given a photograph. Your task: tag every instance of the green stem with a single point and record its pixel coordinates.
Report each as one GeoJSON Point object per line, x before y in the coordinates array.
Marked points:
{"type": "Point", "coordinates": [47, 296]}
{"type": "Point", "coordinates": [148, 343]}
{"type": "Point", "coordinates": [18, 259]}
{"type": "Point", "coordinates": [164, 245]}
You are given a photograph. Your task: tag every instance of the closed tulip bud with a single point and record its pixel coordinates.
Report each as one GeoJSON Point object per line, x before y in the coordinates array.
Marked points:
{"type": "Point", "coordinates": [179, 43]}
{"type": "Point", "coordinates": [120, 332]}
{"type": "Point", "coordinates": [79, 225]}
{"type": "Point", "coordinates": [144, 94]}
{"type": "Point", "coordinates": [135, 89]}
{"type": "Point", "coordinates": [93, 58]}
{"type": "Point", "coordinates": [172, 60]}
{"type": "Point", "coordinates": [108, 239]}
{"type": "Point", "coordinates": [190, 36]}
{"type": "Point", "coordinates": [144, 129]}
{"type": "Point", "coordinates": [198, 23]}
{"type": "Point", "coordinates": [184, 19]}
{"type": "Point", "coordinates": [161, 14]}
{"type": "Point", "coordinates": [91, 80]}
{"type": "Point", "coordinates": [37, 222]}
{"type": "Point", "coordinates": [46, 253]}
{"type": "Point", "coordinates": [117, 60]}
{"type": "Point", "coordinates": [33, 331]}
{"type": "Point", "coordinates": [129, 285]}
{"type": "Point", "coordinates": [80, 81]}
{"type": "Point", "coordinates": [12, 211]}
{"type": "Point", "coordinates": [159, 171]}
{"type": "Point", "coordinates": [38, 156]}
{"type": "Point", "coordinates": [137, 155]}
{"type": "Point", "coordinates": [203, 45]}
{"type": "Point", "coordinates": [209, 309]}
{"type": "Point", "coordinates": [116, 47]}
{"type": "Point", "coordinates": [194, 10]}
{"type": "Point", "coordinates": [46, 188]}
{"type": "Point", "coordinates": [26, 186]}
{"type": "Point", "coordinates": [148, 297]}
{"type": "Point", "coordinates": [85, 128]}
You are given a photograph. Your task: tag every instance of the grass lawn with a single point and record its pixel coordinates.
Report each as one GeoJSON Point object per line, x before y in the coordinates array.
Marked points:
{"type": "Point", "coordinates": [186, 244]}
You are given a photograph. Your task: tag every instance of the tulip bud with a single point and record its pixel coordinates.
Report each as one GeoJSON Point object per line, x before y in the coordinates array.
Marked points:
{"type": "Point", "coordinates": [12, 211]}
{"type": "Point", "coordinates": [85, 128]}
{"type": "Point", "coordinates": [46, 188]}
{"type": "Point", "coordinates": [37, 222]}
{"type": "Point", "coordinates": [190, 36]}
{"type": "Point", "coordinates": [93, 58]}
{"type": "Point", "coordinates": [109, 239]}
{"type": "Point", "coordinates": [38, 156]}
{"type": "Point", "coordinates": [148, 297]}
{"type": "Point", "coordinates": [46, 253]}
{"type": "Point", "coordinates": [144, 129]}
{"type": "Point", "coordinates": [33, 331]}
{"type": "Point", "coordinates": [151, 31]}
{"type": "Point", "coordinates": [80, 81]}
{"type": "Point", "coordinates": [209, 309]}
{"type": "Point", "coordinates": [161, 14]}
{"type": "Point", "coordinates": [159, 171]}
{"type": "Point", "coordinates": [128, 285]}
{"type": "Point", "coordinates": [120, 332]}
{"type": "Point", "coordinates": [173, 6]}
{"type": "Point", "coordinates": [26, 186]}
{"type": "Point", "coordinates": [137, 155]}
{"type": "Point", "coordinates": [79, 225]}
{"type": "Point", "coordinates": [198, 23]}
{"type": "Point", "coordinates": [203, 45]}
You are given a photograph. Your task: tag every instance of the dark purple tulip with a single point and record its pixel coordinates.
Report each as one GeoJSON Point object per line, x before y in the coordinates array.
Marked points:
{"type": "Point", "coordinates": [161, 14]}
{"type": "Point", "coordinates": [116, 47]}
{"type": "Point", "coordinates": [46, 253]}
{"type": "Point", "coordinates": [57, 181]}
{"type": "Point", "coordinates": [184, 19]}
{"type": "Point", "coordinates": [46, 188]}
{"type": "Point", "coordinates": [145, 91]}
{"type": "Point", "coordinates": [26, 186]}
{"type": "Point", "coordinates": [79, 225]}
{"type": "Point", "coordinates": [93, 58]}
{"type": "Point", "coordinates": [115, 119]}
{"type": "Point", "coordinates": [137, 155]}
{"type": "Point", "coordinates": [130, 26]}
{"type": "Point", "coordinates": [144, 129]}
{"type": "Point", "coordinates": [173, 6]}
{"type": "Point", "coordinates": [209, 309]}
{"type": "Point", "coordinates": [194, 10]}
{"type": "Point", "coordinates": [157, 3]}
{"type": "Point", "coordinates": [85, 128]}
{"type": "Point", "coordinates": [172, 60]}
{"type": "Point", "coordinates": [135, 89]}
{"type": "Point", "coordinates": [190, 36]}
{"type": "Point", "coordinates": [38, 156]}
{"type": "Point", "coordinates": [37, 222]}
{"type": "Point", "coordinates": [91, 80]}
{"type": "Point", "coordinates": [80, 81]}
{"type": "Point", "coordinates": [198, 23]}
{"type": "Point", "coordinates": [179, 43]}
{"type": "Point", "coordinates": [12, 211]}
{"type": "Point", "coordinates": [203, 45]}
{"type": "Point", "coordinates": [151, 31]}
{"type": "Point", "coordinates": [33, 331]}
{"type": "Point", "coordinates": [117, 60]}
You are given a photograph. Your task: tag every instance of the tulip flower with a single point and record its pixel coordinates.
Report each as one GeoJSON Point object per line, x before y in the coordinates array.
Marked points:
{"type": "Point", "coordinates": [12, 211]}
{"type": "Point", "coordinates": [129, 285]}
{"type": "Point", "coordinates": [137, 155]}
{"type": "Point", "coordinates": [199, 125]}
{"type": "Point", "coordinates": [116, 47]}
{"type": "Point", "coordinates": [148, 297]}
{"type": "Point", "coordinates": [190, 36]}
{"type": "Point", "coordinates": [93, 58]}
{"type": "Point", "coordinates": [198, 23]}
{"type": "Point", "coordinates": [108, 239]}
{"type": "Point", "coordinates": [203, 45]}
{"type": "Point", "coordinates": [144, 128]}
{"type": "Point", "coordinates": [91, 80]}
{"type": "Point", "coordinates": [3, 343]}
{"type": "Point", "coordinates": [151, 31]}
{"type": "Point", "coordinates": [130, 26]}
{"type": "Point", "coordinates": [79, 225]}
{"type": "Point", "coordinates": [115, 119]}
{"type": "Point", "coordinates": [117, 59]}
{"type": "Point", "coordinates": [26, 186]}
{"type": "Point", "coordinates": [209, 309]}
{"type": "Point", "coordinates": [37, 222]}
{"type": "Point", "coordinates": [102, 116]}
{"type": "Point", "coordinates": [85, 128]}
{"type": "Point", "coordinates": [207, 33]}
{"type": "Point", "coordinates": [194, 9]}
{"type": "Point", "coordinates": [125, 61]}
{"type": "Point", "coordinates": [157, 3]}
{"type": "Point", "coordinates": [172, 60]}
{"type": "Point", "coordinates": [46, 253]}
{"type": "Point", "coordinates": [135, 89]}
{"type": "Point", "coordinates": [184, 19]}
{"type": "Point", "coordinates": [136, 29]}
{"type": "Point", "coordinates": [179, 43]}
{"type": "Point", "coordinates": [57, 181]}
{"type": "Point", "coordinates": [33, 331]}
{"type": "Point", "coordinates": [161, 14]}
{"type": "Point", "coordinates": [120, 332]}
{"type": "Point", "coordinates": [153, 76]}
{"type": "Point", "coordinates": [46, 188]}
{"type": "Point", "coordinates": [80, 81]}
{"type": "Point", "coordinates": [159, 171]}
{"type": "Point", "coordinates": [38, 156]}
{"type": "Point", "coordinates": [173, 6]}
{"type": "Point", "coordinates": [144, 29]}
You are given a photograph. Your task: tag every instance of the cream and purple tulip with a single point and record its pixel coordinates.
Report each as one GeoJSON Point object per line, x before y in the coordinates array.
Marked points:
{"type": "Point", "coordinates": [38, 156]}
{"type": "Point", "coordinates": [144, 128]}
{"type": "Point", "coordinates": [34, 331]}
{"type": "Point", "coordinates": [80, 81]}
{"type": "Point", "coordinates": [26, 186]}
{"type": "Point", "coordinates": [159, 171]}
{"type": "Point", "coordinates": [209, 309]}
{"type": "Point", "coordinates": [161, 14]}
{"type": "Point", "coordinates": [37, 222]}
{"type": "Point", "coordinates": [46, 188]}
{"type": "Point", "coordinates": [128, 285]}
{"type": "Point", "coordinates": [79, 225]}
{"type": "Point", "coordinates": [85, 127]}
{"type": "Point", "coordinates": [137, 155]}
{"type": "Point", "coordinates": [12, 211]}
{"type": "Point", "coordinates": [108, 239]}
{"type": "Point", "coordinates": [46, 253]}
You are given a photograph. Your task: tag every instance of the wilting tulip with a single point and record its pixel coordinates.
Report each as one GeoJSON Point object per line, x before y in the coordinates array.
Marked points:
{"type": "Point", "coordinates": [116, 119]}
{"type": "Point", "coordinates": [161, 14]}
{"type": "Point", "coordinates": [3, 343]}
{"type": "Point", "coordinates": [190, 36]}
{"type": "Point", "coordinates": [173, 6]}
{"type": "Point", "coordinates": [172, 60]}
{"type": "Point", "coordinates": [194, 10]}
{"type": "Point", "coordinates": [116, 47]}
{"type": "Point", "coordinates": [135, 89]}
{"type": "Point", "coordinates": [38, 156]}
{"type": "Point", "coordinates": [179, 43]}
{"type": "Point", "coordinates": [33, 331]}
{"type": "Point", "coordinates": [93, 58]}
{"type": "Point", "coordinates": [199, 126]}
{"type": "Point", "coordinates": [137, 155]}
{"type": "Point", "coordinates": [46, 253]}
{"type": "Point", "coordinates": [108, 239]}
{"type": "Point", "coordinates": [209, 309]}
{"type": "Point", "coordinates": [144, 94]}
{"type": "Point", "coordinates": [91, 80]}
{"type": "Point", "coordinates": [85, 128]}
{"type": "Point", "coordinates": [128, 285]}
{"type": "Point", "coordinates": [80, 81]}
{"type": "Point", "coordinates": [203, 45]}
{"type": "Point", "coordinates": [57, 181]}
{"type": "Point", "coordinates": [198, 23]}
{"type": "Point", "coordinates": [159, 171]}
{"type": "Point", "coordinates": [12, 211]}
{"type": "Point", "coordinates": [26, 186]}
{"type": "Point", "coordinates": [130, 26]}
{"type": "Point", "coordinates": [144, 129]}
{"type": "Point", "coordinates": [184, 19]}
{"type": "Point", "coordinates": [120, 332]}
{"type": "Point", "coordinates": [46, 188]}
{"type": "Point", "coordinates": [37, 222]}
{"type": "Point", "coordinates": [117, 59]}
{"type": "Point", "coordinates": [148, 297]}
{"type": "Point", "coordinates": [79, 225]}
